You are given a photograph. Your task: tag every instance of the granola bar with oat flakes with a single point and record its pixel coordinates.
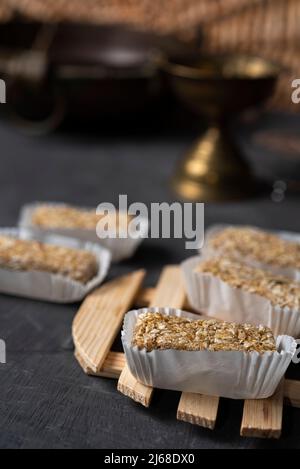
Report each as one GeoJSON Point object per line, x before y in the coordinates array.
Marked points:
{"type": "Point", "coordinates": [160, 331]}
{"type": "Point", "coordinates": [25, 255]}
{"type": "Point", "coordinates": [277, 289]}
{"type": "Point", "coordinates": [66, 216]}
{"type": "Point", "coordinates": [256, 244]}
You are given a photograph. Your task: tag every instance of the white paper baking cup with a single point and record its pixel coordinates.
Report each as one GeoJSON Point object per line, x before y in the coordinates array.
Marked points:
{"type": "Point", "coordinates": [44, 285]}
{"type": "Point", "coordinates": [120, 248]}
{"type": "Point", "coordinates": [211, 296]}
{"type": "Point", "coordinates": [237, 375]}
{"type": "Point", "coordinates": [287, 235]}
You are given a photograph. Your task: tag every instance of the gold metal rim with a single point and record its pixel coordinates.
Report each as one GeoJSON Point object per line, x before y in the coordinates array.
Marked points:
{"type": "Point", "coordinates": [193, 72]}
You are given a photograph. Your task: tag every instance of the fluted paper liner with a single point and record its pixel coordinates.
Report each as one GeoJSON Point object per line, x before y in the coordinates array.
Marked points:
{"type": "Point", "coordinates": [290, 272]}
{"type": "Point", "coordinates": [236, 375]}
{"type": "Point", "coordinates": [211, 296]}
{"type": "Point", "coordinates": [120, 248]}
{"type": "Point", "coordinates": [47, 286]}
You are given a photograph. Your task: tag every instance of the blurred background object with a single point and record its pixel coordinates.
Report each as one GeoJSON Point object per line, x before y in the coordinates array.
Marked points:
{"type": "Point", "coordinates": [88, 73]}
{"type": "Point", "coordinates": [218, 87]}
{"type": "Point", "coordinates": [99, 62]}
{"type": "Point", "coordinates": [269, 28]}
{"type": "Point", "coordinates": [5, 12]}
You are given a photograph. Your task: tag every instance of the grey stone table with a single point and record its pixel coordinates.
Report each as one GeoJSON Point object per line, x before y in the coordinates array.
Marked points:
{"type": "Point", "coordinates": [45, 399]}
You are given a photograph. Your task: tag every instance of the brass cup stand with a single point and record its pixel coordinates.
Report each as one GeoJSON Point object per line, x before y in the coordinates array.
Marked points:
{"type": "Point", "coordinates": [218, 87]}
{"type": "Point", "coordinates": [213, 169]}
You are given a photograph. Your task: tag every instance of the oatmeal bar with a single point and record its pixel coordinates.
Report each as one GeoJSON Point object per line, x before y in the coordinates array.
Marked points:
{"type": "Point", "coordinates": [64, 216]}
{"type": "Point", "coordinates": [17, 254]}
{"type": "Point", "coordinates": [159, 331]}
{"type": "Point", "coordinates": [278, 290]}
{"type": "Point", "coordinates": [258, 245]}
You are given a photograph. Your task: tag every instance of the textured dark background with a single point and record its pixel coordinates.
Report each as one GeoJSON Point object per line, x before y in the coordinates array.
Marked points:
{"type": "Point", "coordinates": [45, 398]}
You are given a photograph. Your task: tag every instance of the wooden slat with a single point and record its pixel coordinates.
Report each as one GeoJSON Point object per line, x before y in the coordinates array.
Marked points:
{"type": "Point", "coordinates": [100, 318]}
{"type": "Point", "coordinates": [292, 392]}
{"type": "Point", "coordinates": [169, 292]}
{"type": "Point", "coordinates": [146, 295]}
{"type": "Point", "coordinates": [130, 387]}
{"type": "Point", "coordinates": [262, 418]}
{"type": "Point", "coordinates": [198, 409]}
{"type": "Point", "coordinates": [82, 363]}
{"type": "Point", "coordinates": [112, 367]}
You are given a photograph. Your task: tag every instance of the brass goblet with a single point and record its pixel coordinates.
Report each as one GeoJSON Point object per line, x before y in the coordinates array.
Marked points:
{"type": "Point", "coordinates": [218, 87]}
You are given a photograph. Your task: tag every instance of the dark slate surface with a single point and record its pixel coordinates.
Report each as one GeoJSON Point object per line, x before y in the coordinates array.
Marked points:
{"type": "Point", "coordinates": [45, 399]}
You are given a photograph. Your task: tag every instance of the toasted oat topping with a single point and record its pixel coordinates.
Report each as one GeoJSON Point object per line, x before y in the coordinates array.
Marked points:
{"type": "Point", "coordinates": [17, 254]}
{"type": "Point", "coordinates": [64, 216]}
{"type": "Point", "coordinates": [258, 245]}
{"type": "Point", "coordinates": [160, 331]}
{"type": "Point", "coordinates": [279, 290]}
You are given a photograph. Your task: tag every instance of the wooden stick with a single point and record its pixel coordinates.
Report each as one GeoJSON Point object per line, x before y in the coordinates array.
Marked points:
{"type": "Point", "coordinates": [198, 409]}
{"type": "Point", "coordinates": [145, 297]}
{"type": "Point", "coordinates": [169, 292]}
{"type": "Point", "coordinates": [112, 367]}
{"type": "Point", "coordinates": [262, 418]}
{"type": "Point", "coordinates": [100, 317]}
{"type": "Point", "coordinates": [130, 387]}
{"type": "Point", "coordinates": [82, 363]}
